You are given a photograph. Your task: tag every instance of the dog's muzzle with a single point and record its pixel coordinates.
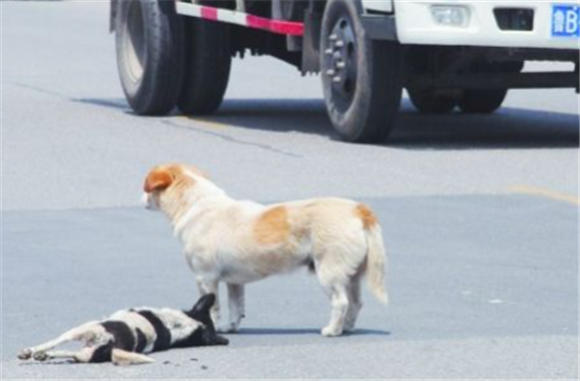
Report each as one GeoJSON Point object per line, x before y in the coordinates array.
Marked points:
{"type": "Point", "coordinates": [148, 201]}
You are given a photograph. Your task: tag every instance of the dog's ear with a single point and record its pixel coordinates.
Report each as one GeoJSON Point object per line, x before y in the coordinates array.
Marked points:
{"type": "Point", "coordinates": [204, 304]}
{"type": "Point", "coordinates": [158, 179]}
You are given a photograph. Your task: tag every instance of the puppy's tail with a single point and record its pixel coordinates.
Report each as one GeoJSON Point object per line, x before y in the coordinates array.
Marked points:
{"type": "Point", "coordinates": [376, 261]}
{"type": "Point", "coordinates": [124, 358]}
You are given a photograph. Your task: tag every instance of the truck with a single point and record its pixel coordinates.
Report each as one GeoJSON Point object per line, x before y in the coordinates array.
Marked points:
{"type": "Point", "coordinates": [446, 54]}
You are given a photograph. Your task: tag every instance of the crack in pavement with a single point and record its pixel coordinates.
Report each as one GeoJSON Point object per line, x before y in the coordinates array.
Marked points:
{"type": "Point", "coordinates": [224, 137]}
{"type": "Point", "coordinates": [39, 90]}
{"type": "Point", "coordinates": [230, 139]}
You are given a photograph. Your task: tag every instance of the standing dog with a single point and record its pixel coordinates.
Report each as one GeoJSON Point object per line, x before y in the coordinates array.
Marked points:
{"type": "Point", "coordinates": [125, 335]}
{"type": "Point", "coordinates": [237, 242]}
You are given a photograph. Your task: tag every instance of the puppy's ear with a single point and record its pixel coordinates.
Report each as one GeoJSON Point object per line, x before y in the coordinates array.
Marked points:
{"type": "Point", "coordinates": [157, 180]}
{"type": "Point", "coordinates": [204, 304]}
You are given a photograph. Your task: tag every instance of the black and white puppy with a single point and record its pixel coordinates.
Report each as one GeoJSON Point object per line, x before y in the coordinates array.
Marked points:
{"type": "Point", "coordinates": [124, 336]}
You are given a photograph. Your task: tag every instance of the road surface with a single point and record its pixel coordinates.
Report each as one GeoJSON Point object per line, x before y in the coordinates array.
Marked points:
{"type": "Point", "coordinates": [480, 218]}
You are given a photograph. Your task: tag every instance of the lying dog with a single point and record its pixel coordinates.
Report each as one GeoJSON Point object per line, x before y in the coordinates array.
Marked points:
{"type": "Point", "coordinates": [125, 335]}
{"type": "Point", "coordinates": [237, 242]}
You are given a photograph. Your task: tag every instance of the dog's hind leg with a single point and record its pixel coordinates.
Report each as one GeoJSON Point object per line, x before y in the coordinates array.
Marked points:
{"type": "Point", "coordinates": [84, 332]}
{"type": "Point", "coordinates": [355, 303]}
{"type": "Point", "coordinates": [236, 307]}
{"type": "Point", "coordinates": [123, 358]}
{"type": "Point", "coordinates": [339, 301]}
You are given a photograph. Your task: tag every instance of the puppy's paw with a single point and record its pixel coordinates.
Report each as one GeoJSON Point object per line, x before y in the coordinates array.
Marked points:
{"type": "Point", "coordinates": [329, 331]}
{"type": "Point", "coordinates": [228, 328]}
{"type": "Point", "coordinates": [40, 356]}
{"type": "Point", "coordinates": [25, 354]}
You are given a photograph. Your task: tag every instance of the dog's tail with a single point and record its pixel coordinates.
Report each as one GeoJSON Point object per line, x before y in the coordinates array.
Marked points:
{"type": "Point", "coordinates": [376, 258]}
{"type": "Point", "coordinates": [123, 358]}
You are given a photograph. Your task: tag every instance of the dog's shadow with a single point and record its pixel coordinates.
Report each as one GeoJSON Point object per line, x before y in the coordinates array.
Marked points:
{"type": "Point", "coordinates": [305, 331]}
{"type": "Point", "coordinates": [50, 362]}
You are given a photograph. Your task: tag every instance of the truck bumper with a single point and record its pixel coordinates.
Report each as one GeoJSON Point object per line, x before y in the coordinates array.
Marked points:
{"type": "Point", "coordinates": [416, 25]}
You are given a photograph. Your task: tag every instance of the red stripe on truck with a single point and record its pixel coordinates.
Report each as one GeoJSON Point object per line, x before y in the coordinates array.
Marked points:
{"type": "Point", "coordinates": [285, 27]}
{"type": "Point", "coordinates": [209, 13]}
{"type": "Point", "coordinates": [276, 26]}
{"type": "Point", "coordinates": [290, 28]}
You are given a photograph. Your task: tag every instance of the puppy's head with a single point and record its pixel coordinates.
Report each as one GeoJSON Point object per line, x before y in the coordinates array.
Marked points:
{"type": "Point", "coordinates": [201, 313]}
{"type": "Point", "coordinates": [169, 182]}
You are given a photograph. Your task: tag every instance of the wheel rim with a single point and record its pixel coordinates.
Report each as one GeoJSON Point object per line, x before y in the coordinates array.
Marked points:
{"type": "Point", "coordinates": [340, 63]}
{"type": "Point", "coordinates": [134, 46]}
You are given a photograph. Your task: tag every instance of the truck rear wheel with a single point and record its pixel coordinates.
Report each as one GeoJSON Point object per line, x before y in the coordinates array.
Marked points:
{"type": "Point", "coordinates": [289, 10]}
{"type": "Point", "coordinates": [207, 66]}
{"type": "Point", "coordinates": [430, 102]}
{"type": "Point", "coordinates": [149, 44]}
{"type": "Point", "coordinates": [482, 101]}
{"type": "Point", "coordinates": [488, 101]}
{"type": "Point", "coordinates": [361, 78]}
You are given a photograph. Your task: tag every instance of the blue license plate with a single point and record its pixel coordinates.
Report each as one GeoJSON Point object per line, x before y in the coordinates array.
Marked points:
{"type": "Point", "coordinates": [565, 21]}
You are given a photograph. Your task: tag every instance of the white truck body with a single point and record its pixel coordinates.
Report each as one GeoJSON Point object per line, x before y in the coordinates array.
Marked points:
{"type": "Point", "coordinates": [416, 24]}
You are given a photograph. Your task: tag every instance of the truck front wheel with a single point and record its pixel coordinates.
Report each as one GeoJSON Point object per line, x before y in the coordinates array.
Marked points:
{"type": "Point", "coordinates": [361, 78]}
{"type": "Point", "coordinates": [149, 44]}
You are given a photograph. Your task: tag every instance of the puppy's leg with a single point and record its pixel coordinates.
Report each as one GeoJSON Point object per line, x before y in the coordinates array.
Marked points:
{"type": "Point", "coordinates": [210, 286]}
{"type": "Point", "coordinates": [123, 358]}
{"type": "Point", "coordinates": [79, 333]}
{"type": "Point", "coordinates": [236, 307]}
{"type": "Point", "coordinates": [355, 303]}
{"type": "Point", "coordinates": [83, 355]}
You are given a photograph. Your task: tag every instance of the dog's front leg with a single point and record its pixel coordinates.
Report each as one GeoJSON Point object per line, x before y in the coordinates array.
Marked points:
{"type": "Point", "coordinates": [210, 286]}
{"type": "Point", "coordinates": [236, 307]}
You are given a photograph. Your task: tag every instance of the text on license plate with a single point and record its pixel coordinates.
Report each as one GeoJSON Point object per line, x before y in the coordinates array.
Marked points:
{"type": "Point", "coordinates": [565, 21]}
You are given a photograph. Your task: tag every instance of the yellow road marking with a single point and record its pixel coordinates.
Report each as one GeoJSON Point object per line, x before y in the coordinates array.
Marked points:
{"type": "Point", "coordinates": [542, 192]}
{"type": "Point", "coordinates": [207, 123]}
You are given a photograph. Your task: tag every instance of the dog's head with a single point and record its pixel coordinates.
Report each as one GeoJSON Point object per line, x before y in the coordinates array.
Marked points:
{"type": "Point", "coordinates": [169, 184]}
{"type": "Point", "coordinates": [201, 313]}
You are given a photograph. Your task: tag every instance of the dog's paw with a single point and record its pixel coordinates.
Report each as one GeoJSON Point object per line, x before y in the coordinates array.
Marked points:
{"type": "Point", "coordinates": [40, 356]}
{"type": "Point", "coordinates": [348, 329]}
{"type": "Point", "coordinates": [25, 354]}
{"type": "Point", "coordinates": [348, 326]}
{"type": "Point", "coordinates": [228, 328]}
{"type": "Point", "coordinates": [329, 331]}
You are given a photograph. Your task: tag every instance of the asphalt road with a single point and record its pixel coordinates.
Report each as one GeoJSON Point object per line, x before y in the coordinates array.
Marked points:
{"type": "Point", "coordinates": [480, 218]}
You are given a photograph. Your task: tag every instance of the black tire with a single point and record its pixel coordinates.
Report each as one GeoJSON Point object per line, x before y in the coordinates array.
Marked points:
{"type": "Point", "coordinates": [149, 43]}
{"type": "Point", "coordinates": [289, 10]}
{"type": "Point", "coordinates": [364, 104]}
{"type": "Point", "coordinates": [429, 102]}
{"type": "Point", "coordinates": [482, 101]}
{"type": "Point", "coordinates": [487, 101]}
{"type": "Point", "coordinates": [207, 67]}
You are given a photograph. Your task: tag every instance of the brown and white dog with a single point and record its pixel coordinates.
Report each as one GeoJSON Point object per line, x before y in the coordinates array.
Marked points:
{"type": "Point", "coordinates": [238, 242]}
